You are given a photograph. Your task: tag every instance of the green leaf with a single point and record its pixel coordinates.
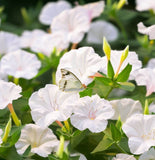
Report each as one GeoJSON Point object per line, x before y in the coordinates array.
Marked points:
{"type": "Point", "coordinates": [86, 141]}
{"type": "Point", "coordinates": [124, 75]}
{"type": "Point", "coordinates": [27, 151]}
{"type": "Point", "coordinates": [106, 81]}
{"type": "Point", "coordinates": [128, 86]}
{"type": "Point", "coordinates": [110, 71]}
{"type": "Point", "coordinates": [116, 135]}
{"type": "Point", "coordinates": [103, 145]}
{"type": "Point", "coordinates": [88, 91]}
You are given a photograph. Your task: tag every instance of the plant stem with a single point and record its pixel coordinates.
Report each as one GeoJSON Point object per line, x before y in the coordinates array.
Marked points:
{"type": "Point", "coordinates": [108, 92]}
{"type": "Point", "coordinates": [59, 123]}
{"type": "Point", "coordinates": [14, 116]}
{"type": "Point", "coordinates": [74, 45]}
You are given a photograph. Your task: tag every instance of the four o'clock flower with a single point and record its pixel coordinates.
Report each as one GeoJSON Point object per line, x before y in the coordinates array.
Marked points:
{"type": "Point", "coordinates": [132, 59]}
{"type": "Point", "coordinates": [20, 64]}
{"type": "Point", "coordinates": [82, 62]}
{"type": "Point", "coordinates": [140, 130]}
{"type": "Point", "coordinates": [150, 31]}
{"type": "Point", "coordinates": [48, 42]}
{"type": "Point", "coordinates": [29, 37]}
{"type": "Point", "coordinates": [51, 10]}
{"type": "Point", "coordinates": [9, 42]}
{"type": "Point", "coordinates": [42, 140]}
{"type": "Point", "coordinates": [124, 108]}
{"type": "Point", "coordinates": [8, 92]}
{"type": "Point", "coordinates": [124, 157]}
{"type": "Point", "coordinates": [148, 155]}
{"type": "Point", "coordinates": [145, 77]}
{"type": "Point", "coordinates": [50, 104]}
{"type": "Point", "coordinates": [100, 29]}
{"type": "Point", "coordinates": [151, 63]}
{"type": "Point", "coordinates": [92, 113]}
{"type": "Point", "coordinates": [94, 9]}
{"type": "Point", "coordinates": [144, 5]}
{"type": "Point", "coordinates": [74, 23]}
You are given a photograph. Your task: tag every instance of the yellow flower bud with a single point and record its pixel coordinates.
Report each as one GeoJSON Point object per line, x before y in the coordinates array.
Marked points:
{"type": "Point", "coordinates": [106, 48]}
{"type": "Point", "coordinates": [124, 54]}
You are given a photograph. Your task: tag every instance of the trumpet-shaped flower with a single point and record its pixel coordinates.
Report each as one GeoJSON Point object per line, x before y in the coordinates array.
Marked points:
{"type": "Point", "coordinates": [50, 104]}
{"type": "Point", "coordinates": [73, 23]}
{"type": "Point", "coordinates": [51, 10]}
{"type": "Point", "coordinates": [145, 77]}
{"type": "Point", "coordinates": [132, 59]}
{"type": "Point", "coordinates": [150, 31]}
{"type": "Point", "coordinates": [94, 9]}
{"type": "Point", "coordinates": [1, 132]}
{"type": "Point", "coordinates": [124, 157]}
{"type": "Point", "coordinates": [140, 130]}
{"type": "Point", "coordinates": [100, 29]}
{"type": "Point", "coordinates": [144, 5]}
{"type": "Point", "coordinates": [92, 113]}
{"type": "Point", "coordinates": [124, 108]}
{"type": "Point", "coordinates": [9, 92]}
{"type": "Point", "coordinates": [151, 63]}
{"type": "Point", "coordinates": [30, 37]}
{"type": "Point", "coordinates": [9, 42]}
{"type": "Point", "coordinates": [41, 140]}
{"type": "Point", "coordinates": [48, 42]}
{"type": "Point", "coordinates": [149, 155]}
{"type": "Point", "coordinates": [20, 64]}
{"type": "Point", "coordinates": [82, 62]}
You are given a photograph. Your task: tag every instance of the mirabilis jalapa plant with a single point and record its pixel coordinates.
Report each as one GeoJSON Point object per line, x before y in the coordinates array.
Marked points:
{"type": "Point", "coordinates": [92, 123]}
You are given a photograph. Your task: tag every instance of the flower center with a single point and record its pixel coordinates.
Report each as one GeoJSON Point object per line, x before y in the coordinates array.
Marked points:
{"type": "Point", "coordinates": [149, 135]}
{"type": "Point", "coordinates": [92, 115]}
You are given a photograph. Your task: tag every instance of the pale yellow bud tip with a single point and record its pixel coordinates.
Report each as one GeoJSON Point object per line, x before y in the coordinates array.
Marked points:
{"type": "Point", "coordinates": [106, 48]}
{"type": "Point", "coordinates": [124, 54]}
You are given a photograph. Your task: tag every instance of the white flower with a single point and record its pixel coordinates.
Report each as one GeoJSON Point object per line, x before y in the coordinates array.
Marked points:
{"type": "Point", "coordinates": [48, 42]}
{"type": "Point", "coordinates": [74, 23]}
{"type": "Point", "coordinates": [132, 59]}
{"type": "Point", "coordinates": [8, 92]}
{"type": "Point", "coordinates": [8, 42]}
{"type": "Point", "coordinates": [82, 62]}
{"type": "Point", "coordinates": [151, 63]}
{"type": "Point", "coordinates": [1, 132]}
{"type": "Point", "coordinates": [144, 5]}
{"type": "Point", "coordinates": [51, 10]}
{"type": "Point", "coordinates": [92, 113]}
{"type": "Point", "coordinates": [29, 37]}
{"type": "Point", "coordinates": [146, 77]}
{"type": "Point", "coordinates": [100, 29]}
{"type": "Point", "coordinates": [124, 157]}
{"type": "Point", "coordinates": [150, 31]}
{"type": "Point", "coordinates": [94, 9]}
{"type": "Point", "coordinates": [50, 104]}
{"type": "Point", "coordinates": [125, 108]}
{"type": "Point", "coordinates": [140, 130]}
{"type": "Point", "coordinates": [149, 155]}
{"type": "Point", "coordinates": [42, 140]}
{"type": "Point", "coordinates": [20, 64]}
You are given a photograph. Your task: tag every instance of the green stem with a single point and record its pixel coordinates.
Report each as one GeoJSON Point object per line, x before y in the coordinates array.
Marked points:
{"type": "Point", "coordinates": [109, 92]}
{"type": "Point", "coordinates": [14, 116]}
{"type": "Point", "coordinates": [146, 108]}
{"type": "Point", "coordinates": [61, 147]}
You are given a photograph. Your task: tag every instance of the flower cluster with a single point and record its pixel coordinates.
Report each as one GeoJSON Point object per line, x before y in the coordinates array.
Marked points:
{"type": "Point", "coordinates": [63, 97]}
